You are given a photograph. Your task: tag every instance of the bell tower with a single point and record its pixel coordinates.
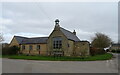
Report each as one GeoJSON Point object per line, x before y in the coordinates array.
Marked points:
{"type": "Point", "coordinates": [57, 26]}
{"type": "Point", "coordinates": [57, 22]}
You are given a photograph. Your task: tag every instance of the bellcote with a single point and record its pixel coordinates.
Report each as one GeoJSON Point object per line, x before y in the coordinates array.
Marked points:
{"type": "Point", "coordinates": [57, 22]}
{"type": "Point", "coordinates": [57, 26]}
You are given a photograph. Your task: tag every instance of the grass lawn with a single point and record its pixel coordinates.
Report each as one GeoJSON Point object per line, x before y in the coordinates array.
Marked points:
{"type": "Point", "coordinates": [106, 56]}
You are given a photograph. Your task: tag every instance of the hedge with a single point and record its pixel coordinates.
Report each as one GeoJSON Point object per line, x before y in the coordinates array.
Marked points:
{"type": "Point", "coordinates": [96, 51]}
{"type": "Point", "coordinates": [10, 50]}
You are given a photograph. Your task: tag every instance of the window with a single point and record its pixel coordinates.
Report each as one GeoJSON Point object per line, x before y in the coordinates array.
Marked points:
{"type": "Point", "coordinates": [38, 47]}
{"type": "Point", "coordinates": [23, 47]}
{"type": "Point", "coordinates": [57, 42]}
{"type": "Point", "coordinates": [68, 45]}
{"type": "Point", "coordinates": [83, 44]}
{"type": "Point", "coordinates": [30, 47]}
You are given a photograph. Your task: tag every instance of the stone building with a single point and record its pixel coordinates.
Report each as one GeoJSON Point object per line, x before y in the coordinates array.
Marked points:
{"type": "Point", "coordinates": [60, 41]}
{"type": "Point", "coordinates": [115, 46]}
{"type": "Point", "coordinates": [32, 46]}
{"type": "Point", "coordinates": [5, 45]}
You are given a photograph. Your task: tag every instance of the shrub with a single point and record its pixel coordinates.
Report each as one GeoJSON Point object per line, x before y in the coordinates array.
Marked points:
{"type": "Point", "coordinates": [118, 51]}
{"type": "Point", "coordinates": [5, 50]}
{"type": "Point", "coordinates": [96, 51]}
{"type": "Point", "coordinates": [10, 50]}
{"type": "Point", "coordinates": [115, 51]}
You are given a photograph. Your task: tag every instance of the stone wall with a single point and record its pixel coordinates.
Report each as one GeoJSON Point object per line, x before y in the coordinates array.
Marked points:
{"type": "Point", "coordinates": [14, 42]}
{"type": "Point", "coordinates": [57, 33]}
{"type": "Point", "coordinates": [34, 51]}
{"type": "Point", "coordinates": [115, 48]}
{"type": "Point", "coordinates": [81, 48]}
{"type": "Point", "coordinates": [70, 47]}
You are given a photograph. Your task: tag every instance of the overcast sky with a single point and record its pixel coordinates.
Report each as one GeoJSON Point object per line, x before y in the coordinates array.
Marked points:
{"type": "Point", "coordinates": [36, 19]}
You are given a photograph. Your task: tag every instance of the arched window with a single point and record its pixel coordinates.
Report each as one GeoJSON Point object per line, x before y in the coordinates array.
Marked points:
{"type": "Point", "coordinates": [57, 43]}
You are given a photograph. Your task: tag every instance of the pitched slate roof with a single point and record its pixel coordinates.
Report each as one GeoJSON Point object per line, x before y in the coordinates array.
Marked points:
{"type": "Point", "coordinates": [69, 35]}
{"type": "Point", "coordinates": [25, 40]}
{"type": "Point", "coordinates": [35, 40]}
{"type": "Point", "coordinates": [19, 39]}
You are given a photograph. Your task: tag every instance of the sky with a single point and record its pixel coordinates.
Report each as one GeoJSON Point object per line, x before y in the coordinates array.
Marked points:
{"type": "Point", "coordinates": [36, 19]}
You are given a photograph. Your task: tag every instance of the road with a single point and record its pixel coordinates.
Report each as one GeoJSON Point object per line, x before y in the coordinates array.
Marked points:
{"type": "Point", "coordinates": [32, 66]}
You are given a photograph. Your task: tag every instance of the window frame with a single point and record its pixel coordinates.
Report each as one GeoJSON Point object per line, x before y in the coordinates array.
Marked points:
{"type": "Point", "coordinates": [23, 47]}
{"type": "Point", "coordinates": [38, 47]}
{"type": "Point", "coordinates": [57, 43]}
{"type": "Point", "coordinates": [30, 47]}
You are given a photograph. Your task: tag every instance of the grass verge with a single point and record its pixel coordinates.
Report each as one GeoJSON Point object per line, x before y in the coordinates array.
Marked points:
{"type": "Point", "coordinates": [105, 56]}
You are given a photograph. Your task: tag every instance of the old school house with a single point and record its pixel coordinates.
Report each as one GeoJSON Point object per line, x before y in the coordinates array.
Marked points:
{"type": "Point", "coordinates": [59, 41]}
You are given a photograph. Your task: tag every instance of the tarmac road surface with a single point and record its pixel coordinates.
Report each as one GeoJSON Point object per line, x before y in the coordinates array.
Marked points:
{"type": "Point", "coordinates": [32, 66]}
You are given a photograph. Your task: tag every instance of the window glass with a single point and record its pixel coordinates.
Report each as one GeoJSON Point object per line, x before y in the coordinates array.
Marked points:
{"type": "Point", "coordinates": [57, 42]}
{"type": "Point", "coordinates": [38, 47]}
{"type": "Point", "coordinates": [23, 47]}
{"type": "Point", "coordinates": [68, 45]}
{"type": "Point", "coordinates": [30, 47]}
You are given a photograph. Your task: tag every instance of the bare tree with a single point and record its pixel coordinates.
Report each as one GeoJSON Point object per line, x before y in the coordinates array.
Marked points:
{"type": "Point", "coordinates": [101, 40]}
{"type": "Point", "coordinates": [1, 37]}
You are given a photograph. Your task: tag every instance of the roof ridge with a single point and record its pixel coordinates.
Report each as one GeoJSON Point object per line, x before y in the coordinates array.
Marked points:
{"type": "Point", "coordinates": [66, 30]}
{"type": "Point", "coordinates": [20, 36]}
{"type": "Point", "coordinates": [39, 37]}
{"type": "Point", "coordinates": [30, 37]}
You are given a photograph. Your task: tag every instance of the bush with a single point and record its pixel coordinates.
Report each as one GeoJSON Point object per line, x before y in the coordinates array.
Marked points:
{"type": "Point", "coordinates": [96, 51]}
{"type": "Point", "coordinates": [5, 50]}
{"type": "Point", "coordinates": [115, 51]}
{"type": "Point", "coordinates": [10, 50]}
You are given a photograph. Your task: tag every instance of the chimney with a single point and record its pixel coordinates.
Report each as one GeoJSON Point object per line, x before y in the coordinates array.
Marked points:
{"type": "Point", "coordinates": [74, 32]}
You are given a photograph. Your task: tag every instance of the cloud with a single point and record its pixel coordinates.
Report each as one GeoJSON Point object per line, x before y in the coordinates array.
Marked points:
{"type": "Point", "coordinates": [30, 35]}
{"type": "Point", "coordinates": [38, 18]}
{"type": "Point", "coordinates": [7, 37]}
{"type": "Point", "coordinates": [4, 21]}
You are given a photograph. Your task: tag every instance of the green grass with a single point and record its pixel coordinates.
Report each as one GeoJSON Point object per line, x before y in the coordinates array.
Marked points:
{"type": "Point", "coordinates": [0, 56]}
{"type": "Point", "coordinates": [106, 56]}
